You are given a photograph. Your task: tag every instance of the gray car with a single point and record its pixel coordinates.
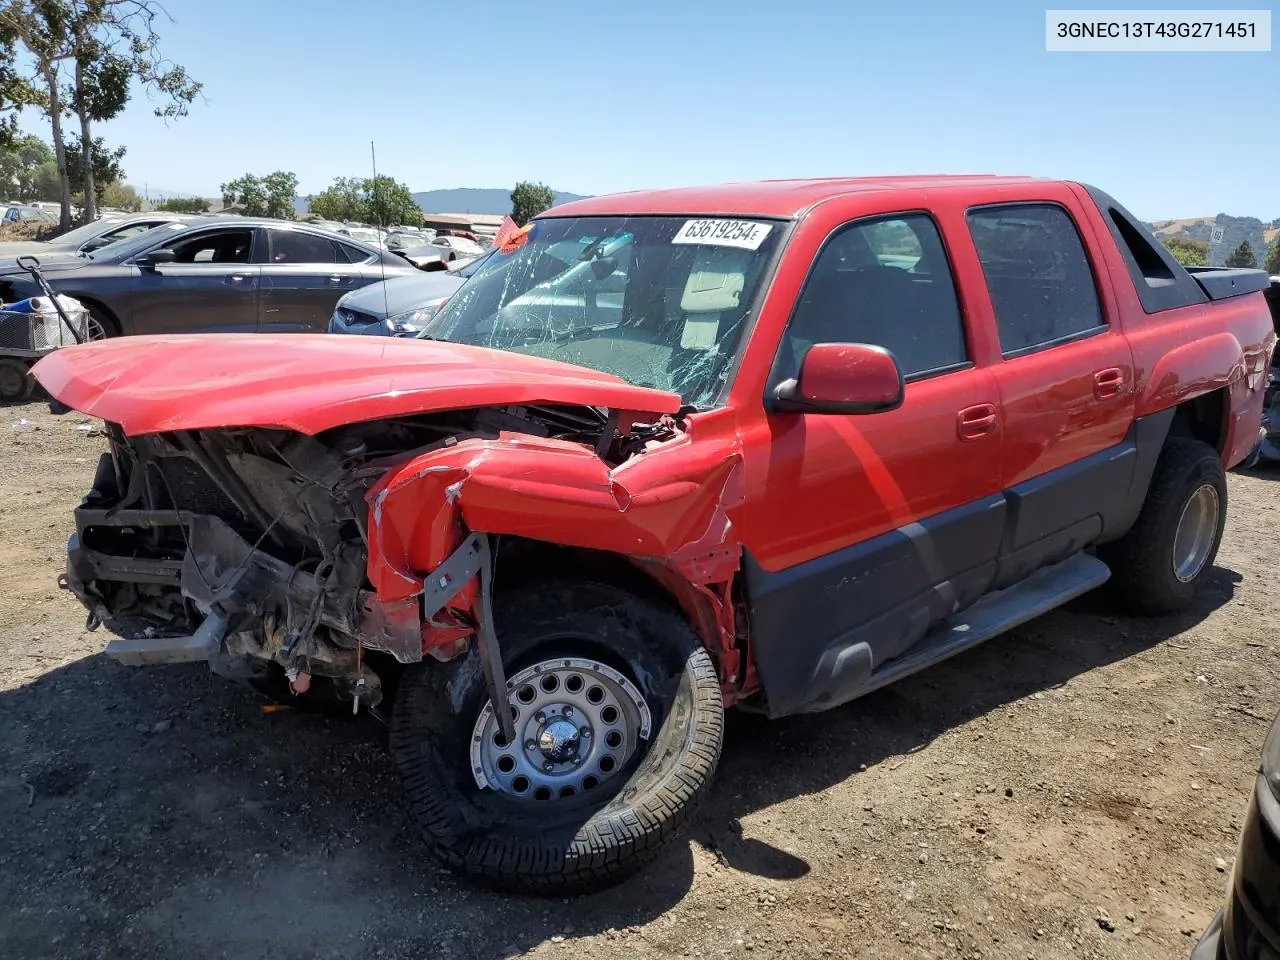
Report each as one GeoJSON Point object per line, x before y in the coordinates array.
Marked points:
{"type": "Point", "coordinates": [401, 306]}
{"type": "Point", "coordinates": [16, 213]}
{"type": "Point", "coordinates": [216, 274]}
{"type": "Point", "coordinates": [93, 236]}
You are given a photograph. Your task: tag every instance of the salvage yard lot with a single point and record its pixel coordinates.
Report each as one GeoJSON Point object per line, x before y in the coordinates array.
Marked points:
{"type": "Point", "coordinates": [1072, 789]}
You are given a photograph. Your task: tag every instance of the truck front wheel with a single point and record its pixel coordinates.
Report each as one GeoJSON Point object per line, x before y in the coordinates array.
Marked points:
{"type": "Point", "coordinates": [1158, 566]}
{"type": "Point", "coordinates": [619, 720]}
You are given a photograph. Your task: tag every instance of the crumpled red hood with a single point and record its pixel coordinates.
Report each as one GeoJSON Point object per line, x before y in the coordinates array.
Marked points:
{"type": "Point", "coordinates": [311, 382]}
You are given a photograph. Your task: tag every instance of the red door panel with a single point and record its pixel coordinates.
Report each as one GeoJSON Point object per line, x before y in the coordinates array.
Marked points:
{"type": "Point", "coordinates": [819, 483]}
{"type": "Point", "coordinates": [1065, 403]}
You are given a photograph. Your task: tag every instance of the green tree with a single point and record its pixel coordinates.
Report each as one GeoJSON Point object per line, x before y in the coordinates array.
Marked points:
{"type": "Point", "coordinates": [85, 56]}
{"type": "Point", "coordinates": [529, 199]}
{"type": "Point", "coordinates": [179, 205]}
{"type": "Point", "coordinates": [41, 26]}
{"type": "Point", "coordinates": [1242, 256]}
{"type": "Point", "coordinates": [15, 89]}
{"type": "Point", "coordinates": [1273, 258]}
{"type": "Point", "coordinates": [1189, 253]}
{"type": "Point", "coordinates": [246, 191]}
{"type": "Point", "coordinates": [120, 196]}
{"type": "Point", "coordinates": [344, 200]}
{"type": "Point", "coordinates": [391, 203]}
{"type": "Point", "coordinates": [383, 201]}
{"type": "Point", "coordinates": [104, 170]}
{"type": "Point", "coordinates": [269, 196]}
{"type": "Point", "coordinates": [48, 182]}
{"type": "Point", "coordinates": [282, 189]}
{"type": "Point", "coordinates": [19, 162]}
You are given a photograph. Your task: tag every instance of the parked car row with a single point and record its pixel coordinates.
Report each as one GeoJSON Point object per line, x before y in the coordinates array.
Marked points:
{"type": "Point", "coordinates": [621, 412]}
{"type": "Point", "coordinates": [105, 230]}
{"type": "Point", "coordinates": [207, 274]}
{"type": "Point", "coordinates": [231, 273]}
{"type": "Point", "coordinates": [17, 213]}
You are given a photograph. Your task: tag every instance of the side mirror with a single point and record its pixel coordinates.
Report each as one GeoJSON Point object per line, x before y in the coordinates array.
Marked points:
{"type": "Point", "coordinates": [155, 258]}
{"type": "Point", "coordinates": [849, 378]}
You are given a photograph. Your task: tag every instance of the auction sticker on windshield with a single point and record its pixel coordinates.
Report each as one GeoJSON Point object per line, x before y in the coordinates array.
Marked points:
{"type": "Point", "coordinates": [746, 234]}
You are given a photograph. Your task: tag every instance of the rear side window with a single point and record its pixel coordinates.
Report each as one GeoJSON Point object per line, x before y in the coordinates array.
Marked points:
{"type": "Point", "coordinates": [1041, 285]}
{"type": "Point", "coordinates": [1160, 281]}
{"type": "Point", "coordinates": [885, 282]}
{"type": "Point", "coordinates": [350, 254]}
{"type": "Point", "coordinates": [289, 246]}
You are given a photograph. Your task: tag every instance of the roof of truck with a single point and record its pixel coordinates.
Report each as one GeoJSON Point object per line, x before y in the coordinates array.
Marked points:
{"type": "Point", "coordinates": [769, 198]}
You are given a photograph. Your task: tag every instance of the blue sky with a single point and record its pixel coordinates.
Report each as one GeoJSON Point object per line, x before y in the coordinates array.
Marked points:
{"type": "Point", "coordinates": [593, 97]}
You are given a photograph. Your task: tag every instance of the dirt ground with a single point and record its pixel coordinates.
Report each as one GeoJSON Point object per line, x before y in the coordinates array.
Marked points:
{"type": "Point", "coordinates": [1073, 789]}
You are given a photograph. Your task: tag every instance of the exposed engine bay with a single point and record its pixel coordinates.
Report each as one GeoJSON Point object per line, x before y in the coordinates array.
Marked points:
{"type": "Point", "coordinates": [250, 546]}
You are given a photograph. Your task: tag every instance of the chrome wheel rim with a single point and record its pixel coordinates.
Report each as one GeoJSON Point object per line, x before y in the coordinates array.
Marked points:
{"type": "Point", "coordinates": [578, 723]}
{"type": "Point", "coordinates": [1197, 528]}
{"type": "Point", "coordinates": [94, 330]}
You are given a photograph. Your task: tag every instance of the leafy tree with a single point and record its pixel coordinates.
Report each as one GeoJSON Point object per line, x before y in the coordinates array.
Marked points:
{"type": "Point", "coordinates": [41, 26]}
{"type": "Point", "coordinates": [48, 184]}
{"type": "Point", "coordinates": [1189, 253]}
{"type": "Point", "coordinates": [19, 162]}
{"type": "Point", "coordinates": [1242, 256]}
{"type": "Point", "coordinates": [269, 196]}
{"type": "Point", "coordinates": [529, 199]}
{"type": "Point", "coordinates": [344, 200]}
{"type": "Point", "coordinates": [1273, 258]}
{"type": "Point", "coordinates": [104, 169]}
{"type": "Point", "coordinates": [282, 188]}
{"type": "Point", "coordinates": [248, 192]}
{"type": "Point", "coordinates": [383, 201]}
{"type": "Point", "coordinates": [120, 196]}
{"type": "Point", "coordinates": [391, 203]}
{"type": "Point", "coordinates": [16, 91]}
{"type": "Point", "coordinates": [178, 205]}
{"type": "Point", "coordinates": [84, 57]}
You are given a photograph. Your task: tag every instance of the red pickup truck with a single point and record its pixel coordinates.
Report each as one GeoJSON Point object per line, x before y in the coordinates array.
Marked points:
{"type": "Point", "coordinates": [771, 445]}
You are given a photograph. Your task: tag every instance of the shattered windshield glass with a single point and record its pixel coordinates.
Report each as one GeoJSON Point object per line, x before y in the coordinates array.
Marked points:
{"type": "Point", "coordinates": [657, 301]}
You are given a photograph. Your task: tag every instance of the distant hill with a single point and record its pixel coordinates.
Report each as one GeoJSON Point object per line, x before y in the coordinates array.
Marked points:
{"type": "Point", "coordinates": [1260, 234]}
{"type": "Point", "coordinates": [496, 200]}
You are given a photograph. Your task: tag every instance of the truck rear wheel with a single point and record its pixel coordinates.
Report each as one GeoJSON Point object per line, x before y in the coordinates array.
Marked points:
{"type": "Point", "coordinates": [619, 720]}
{"type": "Point", "coordinates": [1158, 566]}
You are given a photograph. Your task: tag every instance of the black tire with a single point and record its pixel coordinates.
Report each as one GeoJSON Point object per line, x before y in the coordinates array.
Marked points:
{"type": "Point", "coordinates": [593, 840]}
{"type": "Point", "coordinates": [1143, 574]}
{"type": "Point", "coordinates": [16, 383]}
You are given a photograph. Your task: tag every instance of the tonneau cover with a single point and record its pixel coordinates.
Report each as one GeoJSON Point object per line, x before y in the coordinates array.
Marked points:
{"type": "Point", "coordinates": [1223, 282]}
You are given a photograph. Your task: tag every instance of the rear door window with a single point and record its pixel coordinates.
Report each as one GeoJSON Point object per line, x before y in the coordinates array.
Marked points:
{"type": "Point", "coordinates": [1041, 285]}
{"type": "Point", "coordinates": [293, 247]}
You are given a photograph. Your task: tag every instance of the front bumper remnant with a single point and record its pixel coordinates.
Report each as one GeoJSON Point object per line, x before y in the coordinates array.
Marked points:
{"type": "Point", "coordinates": [145, 650]}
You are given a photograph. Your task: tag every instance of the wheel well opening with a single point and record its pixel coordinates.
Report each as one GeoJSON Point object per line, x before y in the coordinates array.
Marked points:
{"type": "Point", "coordinates": [105, 316]}
{"type": "Point", "coordinates": [519, 561]}
{"type": "Point", "coordinates": [1203, 418]}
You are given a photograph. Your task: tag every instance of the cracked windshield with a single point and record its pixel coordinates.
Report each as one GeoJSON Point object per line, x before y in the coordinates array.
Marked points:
{"type": "Point", "coordinates": [658, 301]}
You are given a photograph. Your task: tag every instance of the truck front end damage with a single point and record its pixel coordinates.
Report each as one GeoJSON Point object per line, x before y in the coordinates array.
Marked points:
{"type": "Point", "coordinates": [267, 550]}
